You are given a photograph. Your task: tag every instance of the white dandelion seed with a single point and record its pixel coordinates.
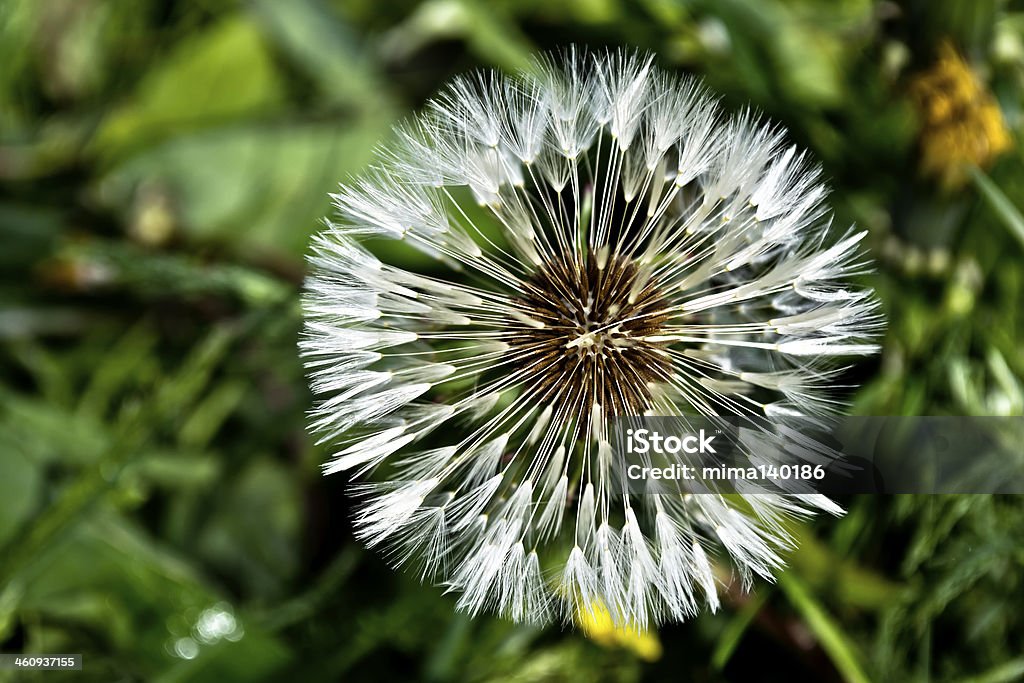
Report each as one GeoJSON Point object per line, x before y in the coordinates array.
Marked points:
{"type": "Point", "coordinates": [625, 249]}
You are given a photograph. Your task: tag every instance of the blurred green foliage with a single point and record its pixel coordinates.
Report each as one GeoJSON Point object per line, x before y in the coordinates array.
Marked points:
{"type": "Point", "coordinates": [162, 165]}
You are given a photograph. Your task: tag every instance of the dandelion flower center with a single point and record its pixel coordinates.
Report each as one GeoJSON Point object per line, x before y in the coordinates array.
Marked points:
{"type": "Point", "coordinates": [589, 327]}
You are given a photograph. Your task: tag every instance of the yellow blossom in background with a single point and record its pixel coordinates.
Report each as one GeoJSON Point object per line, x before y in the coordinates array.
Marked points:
{"type": "Point", "coordinates": [598, 625]}
{"type": "Point", "coordinates": [962, 124]}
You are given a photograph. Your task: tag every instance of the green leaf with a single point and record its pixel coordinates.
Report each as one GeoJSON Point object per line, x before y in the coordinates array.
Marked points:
{"type": "Point", "coordinates": [253, 534]}
{"type": "Point", "coordinates": [256, 656]}
{"type": "Point", "coordinates": [21, 488]}
{"type": "Point", "coordinates": [489, 34]}
{"type": "Point", "coordinates": [182, 470]}
{"type": "Point", "coordinates": [50, 434]}
{"type": "Point", "coordinates": [1004, 673]}
{"type": "Point", "coordinates": [325, 48]}
{"type": "Point", "coordinates": [259, 187]}
{"type": "Point", "coordinates": [810, 64]}
{"type": "Point", "coordinates": [832, 639]}
{"type": "Point", "coordinates": [137, 600]}
{"type": "Point", "coordinates": [827, 571]}
{"type": "Point", "coordinates": [733, 634]}
{"type": "Point", "coordinates": [1004, 208]}
{"type": "Point", "coordinates": [222, 74]}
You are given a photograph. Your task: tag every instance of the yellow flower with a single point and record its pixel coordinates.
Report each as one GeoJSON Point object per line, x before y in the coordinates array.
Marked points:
{"type": "Point", "coordinates": [598, 625]}
{"type": "Point", "coordinates": [962, 124]}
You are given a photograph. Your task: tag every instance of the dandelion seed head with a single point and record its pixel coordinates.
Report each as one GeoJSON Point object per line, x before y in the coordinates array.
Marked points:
{"type": "Point", "coordinates": [618, 246]}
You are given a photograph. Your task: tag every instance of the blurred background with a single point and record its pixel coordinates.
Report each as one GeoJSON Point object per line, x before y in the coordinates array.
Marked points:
{"type": "Point", "coordinates": [162, 166]}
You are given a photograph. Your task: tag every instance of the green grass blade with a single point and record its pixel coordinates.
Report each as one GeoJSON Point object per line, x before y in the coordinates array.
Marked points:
{"type": "Point", "coordinates": [733, 633]}
{"type": "Point", "coordinates": [1000, 203]}
{"type": "Point", "coordinates": [835, 643]}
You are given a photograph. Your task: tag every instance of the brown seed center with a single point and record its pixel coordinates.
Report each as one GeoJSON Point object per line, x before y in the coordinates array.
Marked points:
{"type": "Point", "coordinates": [592, 347]}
